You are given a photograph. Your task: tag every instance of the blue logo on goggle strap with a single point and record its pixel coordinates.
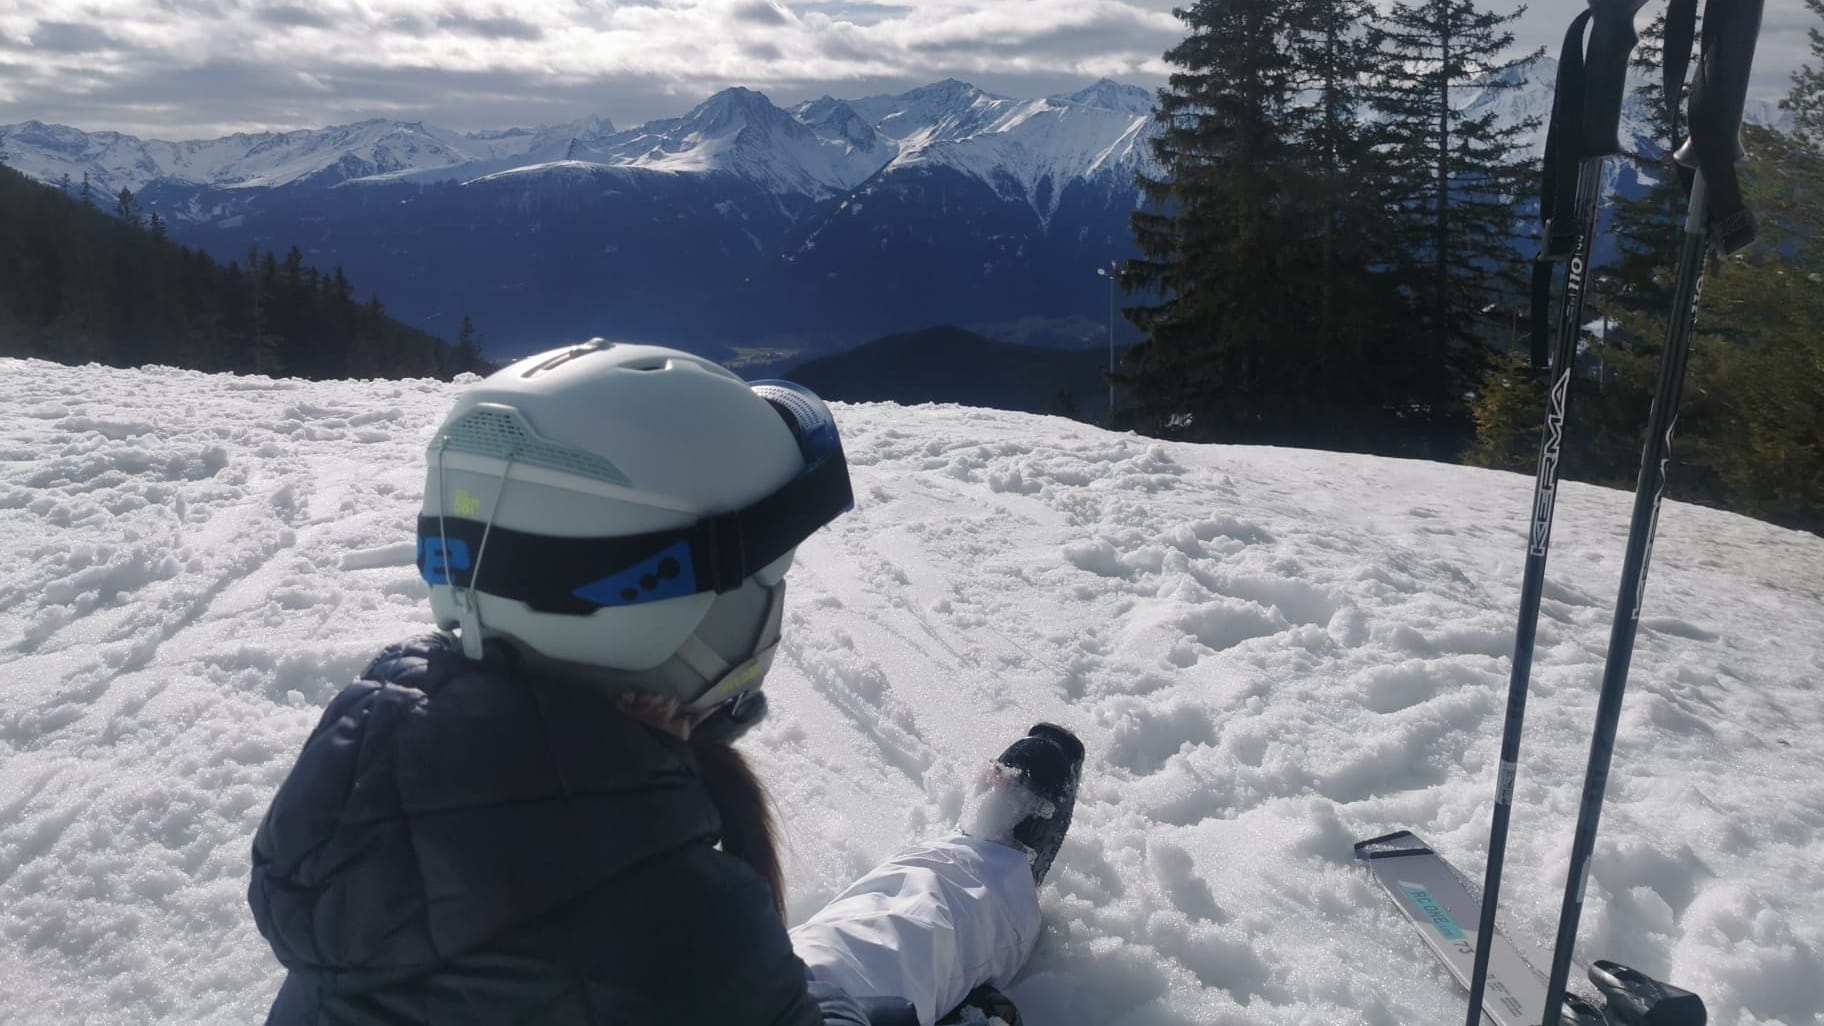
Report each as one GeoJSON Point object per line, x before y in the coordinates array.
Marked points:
{"type": "Point", "coordinates": [669, 574]}
{"type": "Point", "coordinates": [439, 559]}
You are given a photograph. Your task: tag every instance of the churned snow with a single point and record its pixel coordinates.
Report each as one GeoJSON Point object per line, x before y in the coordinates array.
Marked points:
{"type": "Point", "coordinates": [1270, 653]}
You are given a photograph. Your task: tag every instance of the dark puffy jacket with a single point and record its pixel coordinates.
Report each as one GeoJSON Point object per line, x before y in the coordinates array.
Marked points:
{"type": "Point", "coordinates": [456, 846]}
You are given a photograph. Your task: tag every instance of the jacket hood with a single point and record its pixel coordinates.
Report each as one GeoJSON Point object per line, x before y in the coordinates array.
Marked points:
{"type": "Point", "coordinates": [441, 802]}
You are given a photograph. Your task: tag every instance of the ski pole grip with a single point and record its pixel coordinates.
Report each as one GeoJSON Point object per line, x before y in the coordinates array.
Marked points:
{"type": "Point", "coordinates": [1714, 112]}
{"type": "Point", "coordinates": [1605, 61]}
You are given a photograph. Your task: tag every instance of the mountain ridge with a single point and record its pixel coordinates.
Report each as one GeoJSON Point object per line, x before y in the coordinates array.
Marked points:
{"type": "Point", "coordinates": [739, 225]}
{"type": "Point", "coordinates": [815, 149]}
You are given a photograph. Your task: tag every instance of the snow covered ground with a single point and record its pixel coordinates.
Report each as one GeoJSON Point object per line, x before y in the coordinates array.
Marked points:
{"type": "Point", "coordinates": [1270, 653]}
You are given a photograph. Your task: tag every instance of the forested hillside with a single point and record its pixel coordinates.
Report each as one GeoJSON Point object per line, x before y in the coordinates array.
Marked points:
{"type": "Point", "coordinates": [1363, 292]}
{"type": "Point", "coordinates": [78, 285]}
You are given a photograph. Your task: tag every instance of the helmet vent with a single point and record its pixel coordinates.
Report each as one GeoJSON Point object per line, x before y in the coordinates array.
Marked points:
{"type": "Point", "coordinates": [594, 345]}
{"type": "Point", "coordinates": [501, 432]}
{"type": "Point", "coordinates": [799, 414]}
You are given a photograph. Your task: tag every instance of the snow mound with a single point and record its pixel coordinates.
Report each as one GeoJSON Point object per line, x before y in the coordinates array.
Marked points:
{"type": "Point", "coordinates": [1269, 654]}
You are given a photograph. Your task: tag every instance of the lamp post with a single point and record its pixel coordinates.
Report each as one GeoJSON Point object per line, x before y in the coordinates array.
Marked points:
{"type": "Point", "coordinates": [1109, 272]}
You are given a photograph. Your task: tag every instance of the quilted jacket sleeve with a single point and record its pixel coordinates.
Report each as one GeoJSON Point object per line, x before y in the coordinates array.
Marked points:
{"type": "Point", "coordinates": [711, 948]}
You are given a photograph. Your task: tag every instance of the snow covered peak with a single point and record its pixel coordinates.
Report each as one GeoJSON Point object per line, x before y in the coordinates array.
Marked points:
{"type": "Point", "coordinates": [1108, 94]}
{"type": "Point", "coordinates": [50, 138]}
{"type": "Point", "coordinates": [949, 93]}
{"type": "Point", "coordinates": [375, 147]}
{"type": "Point", "coordinates": [835, 119]}
{"type": "Point", "coordinates": [740, 132]}
{"type": "Point", "coordinates": [1029, 148]}
{"type": "Point", "coordinates": [732, 109]}
{"type": "Point", "coordinates": [947, 108]}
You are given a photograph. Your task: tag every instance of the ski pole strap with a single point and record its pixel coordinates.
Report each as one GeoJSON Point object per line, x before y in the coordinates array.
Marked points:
{"type": "Point", "coordinates": [1564, 136]}
{"type": "Point", "coordinates": [1605, 74]}
{"type": "Point", "coordinates": [1675, 61]}
{"type": "Point", "coordinates": [1541, 311]}
{"type": "Point", "coordinates": [1718, 94]}
{"type": "Point", "coordinates": [1564, 142]}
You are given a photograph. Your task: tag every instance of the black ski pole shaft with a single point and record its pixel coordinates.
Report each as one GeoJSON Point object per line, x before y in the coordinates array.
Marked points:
{"type": "Point", "coordinates": [1715, 115]}
{"type": "Point", "coordinates": [1626, 626]}
{"type": "Point", "coordinates": [1545, 489]}
{"type": "Point", "coordinates": [1589, 102]}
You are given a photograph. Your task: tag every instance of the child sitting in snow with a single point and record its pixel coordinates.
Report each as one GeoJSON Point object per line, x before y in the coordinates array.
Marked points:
{"type": "Point", "coordinates": [536, 815]}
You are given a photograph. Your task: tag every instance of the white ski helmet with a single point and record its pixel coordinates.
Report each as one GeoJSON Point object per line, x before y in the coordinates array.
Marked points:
{"type": "Point", "coordinates": [630, 509]}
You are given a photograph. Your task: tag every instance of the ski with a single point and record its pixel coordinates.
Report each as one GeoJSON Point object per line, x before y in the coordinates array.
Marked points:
{"type": "Point", "coordinates": [1440, 901]}
{"type": "Point", "coordinates": [1441, 904]}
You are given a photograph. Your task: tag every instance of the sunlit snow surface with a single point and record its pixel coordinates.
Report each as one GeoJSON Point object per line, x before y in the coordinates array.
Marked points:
{"type": "Point", "coordinates": [1270, 653]}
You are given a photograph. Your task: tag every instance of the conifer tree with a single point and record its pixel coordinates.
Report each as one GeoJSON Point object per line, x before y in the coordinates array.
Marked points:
{"type": "Point", "coordinates": [76, 285]}
{"type": "Point", "coordinates": [1806, 101]}
{"type": "Point", "coordinates": [1335, 54]}
{"type": "Point", "coordinates": [1214, 234]}
{"type": "Point", "coordinates": [468, 347]}
{"type": "Point", "coordinates": [1647, 226]}
{"type": "Point", "coordinates": [1453, 171]}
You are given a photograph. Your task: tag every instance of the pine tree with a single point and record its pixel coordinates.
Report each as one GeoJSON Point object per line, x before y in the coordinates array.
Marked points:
{"type": "Point", "coordinates": [1453, 174]}
{"type": "Point", "coordinates": [1336, 56]}
{"type": "Point", "coordinates": [123, 206]}
{"type": "Point", "coordinates": [468, 347]}
{"type": "Point", "coordinates": [88, 198]}
{"type": "Point", "coordinates": [1806, 101]}
{"type": "Point", "coordinates": [1647, 226]}
{"type": "Point", "coordinates": [1214, 239]}
{"type": "Point", "coordinates": [158, 227]}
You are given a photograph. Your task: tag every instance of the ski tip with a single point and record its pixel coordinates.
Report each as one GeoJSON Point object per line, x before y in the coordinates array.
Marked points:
{"type": "Point", "coordinates": [1400, 842]}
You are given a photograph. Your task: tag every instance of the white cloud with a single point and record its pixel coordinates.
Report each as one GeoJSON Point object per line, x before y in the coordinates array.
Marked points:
{"type": "Point", "coordinates": [186, 68]}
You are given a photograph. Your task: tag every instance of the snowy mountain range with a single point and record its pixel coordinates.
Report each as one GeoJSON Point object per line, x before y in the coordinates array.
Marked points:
{"type": "Point", "coordinates": [740, 225]}
{"type": "Point", "coordinates": [815, 149]}
{"type": "Point", "coordinates": [811, 227]}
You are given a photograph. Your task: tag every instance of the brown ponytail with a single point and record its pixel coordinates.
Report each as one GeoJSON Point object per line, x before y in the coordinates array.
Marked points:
{"type": "Point", "coordinates": [749, 832]}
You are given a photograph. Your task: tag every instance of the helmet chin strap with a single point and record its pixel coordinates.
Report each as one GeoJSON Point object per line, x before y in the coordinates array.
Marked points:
{"type": "Point", "coordinates": [468, 606]}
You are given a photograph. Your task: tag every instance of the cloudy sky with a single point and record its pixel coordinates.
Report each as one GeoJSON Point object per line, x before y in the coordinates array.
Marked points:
{"type": "Point", "coordinates": [178, 69]}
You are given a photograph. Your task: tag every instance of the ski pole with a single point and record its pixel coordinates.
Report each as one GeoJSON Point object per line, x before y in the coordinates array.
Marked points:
{"type": "Point", "coordinates": [1586, 115]}
{"type": "Point", "coordinates": [1715, 209]}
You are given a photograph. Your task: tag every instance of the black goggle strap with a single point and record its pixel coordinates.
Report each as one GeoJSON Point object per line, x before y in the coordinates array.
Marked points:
{"type": "Point", "coordinates": [580, 575]}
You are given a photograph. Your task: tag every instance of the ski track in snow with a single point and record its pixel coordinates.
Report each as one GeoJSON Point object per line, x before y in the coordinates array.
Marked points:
{"type": "Point", "coordinates": [1270, 653]}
